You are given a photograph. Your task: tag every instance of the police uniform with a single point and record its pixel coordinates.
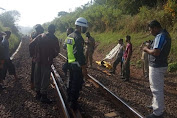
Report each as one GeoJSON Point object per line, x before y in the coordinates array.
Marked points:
{"type": "Point", "coordinates": [76, 59]}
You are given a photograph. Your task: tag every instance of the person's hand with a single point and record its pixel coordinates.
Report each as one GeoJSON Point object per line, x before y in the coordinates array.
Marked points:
{"type": "Point", "coordinates": [1, 66]}
{"type": "Point", "coordinates": [145, 48]}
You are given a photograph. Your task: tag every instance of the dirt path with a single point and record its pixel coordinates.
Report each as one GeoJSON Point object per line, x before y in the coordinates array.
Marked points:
{"type": "Point", "coordinates": [17, 100]}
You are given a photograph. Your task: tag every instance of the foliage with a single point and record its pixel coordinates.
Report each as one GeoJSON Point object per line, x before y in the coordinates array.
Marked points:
{"type": "Point", "coordinates": [13, 42]}
{"type": "Point", "coordinates": [9, 18]}
{"type": "Point", "coordinates": [172, 67]}
{"type": "Point", "coordinates": [7, 22]}
{"type": "Point", "coordinates": [110, 20]}
{"type": "Point", "coordinates": [62, 13]}
{"type": "Point", "coordinates": [171, 7]}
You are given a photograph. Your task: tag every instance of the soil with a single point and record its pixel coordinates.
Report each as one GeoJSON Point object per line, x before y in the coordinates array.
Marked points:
{"type": "Point", "coordinates": [136, 92]}
{"type": "Point", "coordinates": [18, 99]}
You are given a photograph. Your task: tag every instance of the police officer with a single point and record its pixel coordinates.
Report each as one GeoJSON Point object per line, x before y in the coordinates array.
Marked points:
{"type": "Point", "coordinates": [65, 65]}
{"type": "Point", "coordinates": [76, 60]}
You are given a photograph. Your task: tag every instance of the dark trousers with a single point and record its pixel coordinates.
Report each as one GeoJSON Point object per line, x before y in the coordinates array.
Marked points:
{"type": "Point", "coordinates": [8, 66]}
{"type": "Point", "coordinates": [42, 77]}
{"type": "Point", "coordinates": [1, 75]}
{"type": "Point", "coordinates": [32, 72]}
{"type": "Point", "coordinates": [126, 70]}
{"type": "Point", "coordinates": [116, 62]}
{"type": "Point", "coordinates": [75, 83]}
{"type": "Point", "coordinates": [65, 68]}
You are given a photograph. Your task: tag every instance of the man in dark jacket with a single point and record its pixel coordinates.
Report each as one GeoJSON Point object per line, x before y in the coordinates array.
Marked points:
{"type": "Point", "coordinates": [39, 30]}
{"type": "Point", "coordinates": [2, 58]}
{"type": "Point", "coordinates": [47, 48]}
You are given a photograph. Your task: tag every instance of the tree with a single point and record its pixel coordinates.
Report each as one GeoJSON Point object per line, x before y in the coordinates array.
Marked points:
{"type": "Point", "coordinates": [9, 18]}
{"type": "Point", "coordinates": [62, 13]}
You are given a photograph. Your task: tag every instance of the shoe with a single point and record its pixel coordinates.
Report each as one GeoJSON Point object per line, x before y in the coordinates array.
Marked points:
{"type": "Point", "coordinates": [154, 116]}
{"type": "Point", "coordinates": [122, 77]}
{"type": "Point", "coordinates": [16, 77]}
{"type": "Point", "coordinates": [150, 107]}
{"type": "Point", "coordinates": [73, 106]}
{"type": "Point", "coordinates": [32, 86]}
{"type": "Point", "coordinates": [38, 96]}
{"type": "Point", "coordinates": [112, 72]}
{"type": "Point", "coordinates": [2, 87]}
{"type": "Point", "coordinates": [45, 100]}
{"type": "Point", "coordinates": [126, 79]}
{"type": "Point", "coordinates": [146, 76]}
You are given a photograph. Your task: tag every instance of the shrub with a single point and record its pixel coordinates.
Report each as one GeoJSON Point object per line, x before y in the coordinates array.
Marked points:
{"type": "Point", "coordinates": [172, 67]}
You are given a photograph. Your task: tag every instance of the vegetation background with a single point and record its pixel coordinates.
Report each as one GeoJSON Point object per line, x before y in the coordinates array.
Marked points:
{"type": "Point", "coordinates": [110, 20]}
{"type": "Point", "coordinates": [7, 22]}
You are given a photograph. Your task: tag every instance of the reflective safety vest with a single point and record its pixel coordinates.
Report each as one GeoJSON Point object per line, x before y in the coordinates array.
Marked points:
{"type": "Point", "coordinates": [70, 43]}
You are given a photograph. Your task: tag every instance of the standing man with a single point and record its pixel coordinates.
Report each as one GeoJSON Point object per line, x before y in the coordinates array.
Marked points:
{"type": "Point", "coordinates": [76, 60]}
{"type": "Point", "coordinates": [145, 60]}
{"type": "Point", "coordinates": [39, 30]}
{"type": "Point", "coordinates": [158, 56]}
{"type": "Point", "coordinates": [8, 65]}
{"type": "Point", "coordinates": [127, 56]}
{"type": "Point", "coordinates": [118, 56]}
{"type": "Point", "coordinates": [2, 57]}
{"type": "Point", "coordinates": [89, 49]}
{"type": "Point", "coordinates": [65, 65]}
{"type": "Point", "coordinates": [46, 48]}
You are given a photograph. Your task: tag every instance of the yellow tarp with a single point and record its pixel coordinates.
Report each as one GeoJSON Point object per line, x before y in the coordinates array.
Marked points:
{"type": "Point", "coordinates": [105, 64]}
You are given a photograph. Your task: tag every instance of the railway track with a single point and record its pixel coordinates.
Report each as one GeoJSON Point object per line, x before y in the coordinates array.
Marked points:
{"type": "Point", "coordinates": [118, 102]}
{"type": "Point", "coordinates": [17, 100]}
{"type": "Point", "coordinates": [67, 112]}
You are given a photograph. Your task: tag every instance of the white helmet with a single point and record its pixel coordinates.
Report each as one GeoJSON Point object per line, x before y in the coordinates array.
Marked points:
{"type": "Point", "coordinates": [81, 22]}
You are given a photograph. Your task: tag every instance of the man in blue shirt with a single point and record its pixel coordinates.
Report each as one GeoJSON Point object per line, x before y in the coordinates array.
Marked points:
{"type": "Point", "coordinates": [158, 56]}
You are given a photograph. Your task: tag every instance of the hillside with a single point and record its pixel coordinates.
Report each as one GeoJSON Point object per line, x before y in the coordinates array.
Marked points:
{"type": "Point", "coordinates": [114, 19]}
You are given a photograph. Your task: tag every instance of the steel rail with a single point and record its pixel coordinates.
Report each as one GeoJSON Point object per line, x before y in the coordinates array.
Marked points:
{"type": "Point", "coordinates": [60, 85]}
{"type": "Point", "coordinates": [131, 112]}
{"type": "Point", "coordinates": [62, 103]}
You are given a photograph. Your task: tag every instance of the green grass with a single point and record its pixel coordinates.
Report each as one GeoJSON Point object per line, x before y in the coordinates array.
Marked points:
{"type": "Point", "coordinates": [13, 43]}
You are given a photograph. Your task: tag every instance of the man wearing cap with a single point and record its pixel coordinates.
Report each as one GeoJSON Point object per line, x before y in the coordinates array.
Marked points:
{"type": "Point", "coordinates": [65, 65]}
{"type": "Point", "coordinates": [39, 30]}
{"type": "Point", "coordinates": [119, 56]}
{"type": "Point", "coordinates": [46, 50]}
{"type": "Point", "coordinates": [158, 63]}
{"type": "Point", "coordinates": [89, 49]}
{"type": "Point", "coordinates": [76, 61]}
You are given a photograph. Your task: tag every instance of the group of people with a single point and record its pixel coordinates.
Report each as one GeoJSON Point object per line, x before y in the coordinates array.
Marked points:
{"type": "Point", "coordinates": [155, 64]}
{"type": "Point", "coordinates": [122, 57]}
{"type": "Point", "coordinates": [5, 61]}
{"type": "Point", "coordinates": [44, 47]}
{"type": "Point", "coordinates": [157, 50]}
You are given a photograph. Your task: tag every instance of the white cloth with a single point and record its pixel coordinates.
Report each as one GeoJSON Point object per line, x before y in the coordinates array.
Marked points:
{"type": "Point", "coordinates": [114, 51]}
{"type": "Point", "coordinates": [156, 80]}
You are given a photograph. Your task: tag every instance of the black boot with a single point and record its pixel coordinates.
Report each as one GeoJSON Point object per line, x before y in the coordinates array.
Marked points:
{"type": "Point", "coordinates": [38, 95]}
{"type": "Point", "coordinates": [44, 99]}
